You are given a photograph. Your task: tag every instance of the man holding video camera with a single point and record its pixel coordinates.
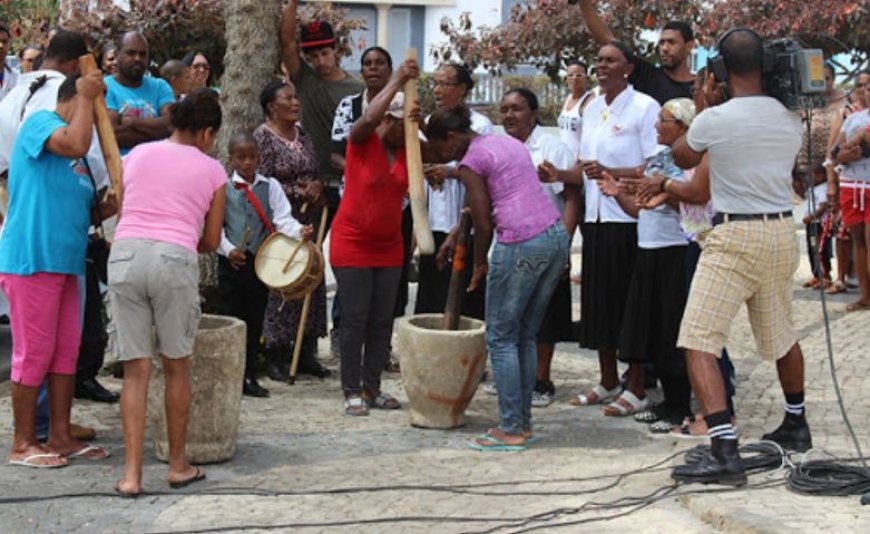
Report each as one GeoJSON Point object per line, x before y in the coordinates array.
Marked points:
{"type": "Point", "coordinates": [749, 257]}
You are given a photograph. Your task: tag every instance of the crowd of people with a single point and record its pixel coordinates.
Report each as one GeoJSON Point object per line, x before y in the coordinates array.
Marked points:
{"type": "Point", "coordinates": [678, 233]}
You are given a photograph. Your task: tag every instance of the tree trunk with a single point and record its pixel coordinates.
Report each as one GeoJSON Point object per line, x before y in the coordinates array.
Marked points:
{"type": "Point", "coordinates": [250, 63]}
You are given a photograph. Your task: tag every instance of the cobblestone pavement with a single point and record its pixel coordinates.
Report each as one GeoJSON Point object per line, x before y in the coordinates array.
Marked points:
{"type": "Point", "coordinates": [302, 462]}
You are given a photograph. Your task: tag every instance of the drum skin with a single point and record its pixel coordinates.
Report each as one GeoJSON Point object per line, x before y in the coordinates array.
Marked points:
{"type": "Point", "coordinates": [296, 279]}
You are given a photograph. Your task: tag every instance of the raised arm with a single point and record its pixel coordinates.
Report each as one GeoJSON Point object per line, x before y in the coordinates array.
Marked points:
{"type": "Point", "coordinates": [74, 140]}
{"type": "Point", "coordinates": [287, 39]}
{"type": "Point", "coordinates": [373, 115]}
{"type": "Point", "coordinates": [599, 31]}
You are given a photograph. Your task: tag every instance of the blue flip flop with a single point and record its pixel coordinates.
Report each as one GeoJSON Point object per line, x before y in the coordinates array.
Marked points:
{"type": "Point", "coordinates": [494, 444]}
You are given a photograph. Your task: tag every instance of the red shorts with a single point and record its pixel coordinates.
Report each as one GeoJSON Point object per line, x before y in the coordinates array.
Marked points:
{"type": "Point", "coordinates": [854, 204]}
{"type": "Point", "coordinates": [45, 324]}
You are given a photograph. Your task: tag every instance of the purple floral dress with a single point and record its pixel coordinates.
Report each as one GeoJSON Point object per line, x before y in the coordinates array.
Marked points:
{"type": "Point", "coordinates": [291, 162]}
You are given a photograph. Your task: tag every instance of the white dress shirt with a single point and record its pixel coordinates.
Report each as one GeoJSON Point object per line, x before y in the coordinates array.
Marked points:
{"type": "Point", "coordinates": [282, 217]}
{"type": "Point", "coordinates": [545, 147]}
{"type": "Point", "coordinates": [622, 134]}
{"type": "Point", "coordinates": [10, 79]}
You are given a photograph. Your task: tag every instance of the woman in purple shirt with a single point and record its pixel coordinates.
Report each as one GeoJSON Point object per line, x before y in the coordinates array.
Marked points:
{"type": "Point", "coordinates": [530, 253]}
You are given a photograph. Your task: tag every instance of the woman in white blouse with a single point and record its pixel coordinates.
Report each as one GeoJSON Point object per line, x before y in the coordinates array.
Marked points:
{"type": "Point", "coordinates": [571, 116]}
{"type": "Point", "coordinates": [619, 136]}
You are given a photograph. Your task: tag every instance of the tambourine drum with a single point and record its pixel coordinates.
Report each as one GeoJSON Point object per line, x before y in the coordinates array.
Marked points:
{"type": "Point", "coordinates": [293, 267]}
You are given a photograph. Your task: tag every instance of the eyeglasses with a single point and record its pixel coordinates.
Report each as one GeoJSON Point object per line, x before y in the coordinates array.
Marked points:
{"type": "Point", "coordinates": [444, 85]}
{"type": "Point", "coordinates": [200, 66]}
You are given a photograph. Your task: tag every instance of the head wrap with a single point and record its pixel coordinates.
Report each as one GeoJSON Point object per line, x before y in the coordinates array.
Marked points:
{"type": "Point", "coordinates": [683, 109]}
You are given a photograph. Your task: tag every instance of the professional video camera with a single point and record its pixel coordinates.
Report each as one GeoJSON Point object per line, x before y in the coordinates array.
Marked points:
{"type": "Point", "coordinates": [792, 74]}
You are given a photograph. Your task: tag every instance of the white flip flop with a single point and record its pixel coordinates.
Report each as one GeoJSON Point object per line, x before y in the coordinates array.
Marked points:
{"type": "Point", "coordinates": [28, 461]}
{"type": "Point", "coordinates": [81, 453]}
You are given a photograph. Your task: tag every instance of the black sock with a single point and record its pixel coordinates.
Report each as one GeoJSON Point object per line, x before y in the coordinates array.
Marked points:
{"type": "Point", "coordinates": [719, 425]}
{"type": "Point", "coordinates": [794, 404]}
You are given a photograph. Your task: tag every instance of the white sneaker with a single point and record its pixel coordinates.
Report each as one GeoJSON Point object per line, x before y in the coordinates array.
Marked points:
{"type": "Point", "coordinates": [489, 388]}
{"type": "Point", "coordinates": [541, 399]}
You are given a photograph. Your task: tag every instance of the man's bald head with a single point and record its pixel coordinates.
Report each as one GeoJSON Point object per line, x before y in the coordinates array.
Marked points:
{"type": "Point", "coordinates": [742, 52]}
{"type": "Point", "coordinates": [134, 37]}
{"type": "Point", "coordinates": [132, 56]}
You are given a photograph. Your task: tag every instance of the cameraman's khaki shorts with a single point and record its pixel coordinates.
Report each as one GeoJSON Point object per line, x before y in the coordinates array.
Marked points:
{"type": "Point", "coordinates": [153, 288]}
{"type": "Point", "coordinates": [750, 262]}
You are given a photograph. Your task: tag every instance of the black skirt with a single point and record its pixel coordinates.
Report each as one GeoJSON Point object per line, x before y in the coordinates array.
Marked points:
{"type": "Point", "coordinates": [434, 283]}
{"type": "Point", "coordinates": [557, 325]}
{"type": "Point", "coordinates": [656, 300]}
{"type": "Point", "coordinates": [609, 251]}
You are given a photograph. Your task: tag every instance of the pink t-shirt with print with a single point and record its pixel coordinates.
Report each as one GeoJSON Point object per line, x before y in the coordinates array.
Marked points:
{"type": "Point", "coordinates": [168, 188]}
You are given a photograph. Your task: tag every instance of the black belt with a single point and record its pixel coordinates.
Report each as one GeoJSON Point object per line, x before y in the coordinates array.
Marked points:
{"type": "Point", "coordinates": [720, 218]}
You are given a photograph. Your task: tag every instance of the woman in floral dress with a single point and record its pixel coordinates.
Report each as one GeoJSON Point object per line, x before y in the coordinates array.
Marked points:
{"type": "Point", "coordinates": [287, 154]}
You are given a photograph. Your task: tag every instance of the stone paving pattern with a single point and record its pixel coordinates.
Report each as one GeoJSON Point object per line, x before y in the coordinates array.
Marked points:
{"type": "Point", "coordinates": [300, 443]}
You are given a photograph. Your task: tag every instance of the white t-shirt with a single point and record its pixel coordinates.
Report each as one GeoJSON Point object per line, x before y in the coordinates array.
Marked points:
{"type": "Point", "coordinates": [446, 204]}
{"type": "Point", "coordinates": [819, 196]}
{"type": "Point", "coordinates": [859, 170]}
{"type": "Point", "coordinates": [660, 227]}
{"type": "Point", "coordinates": [752, 142]}
{"type": "Point", "coordinates": [545, 147]}
{"type": "Point", "coordinates": [571, 124]}
{"type": "Point", "coordinates": [620, 135]}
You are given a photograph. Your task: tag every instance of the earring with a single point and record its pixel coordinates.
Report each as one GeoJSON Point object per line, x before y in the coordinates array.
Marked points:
{"type": "Point", "coordinates": [625, 76]}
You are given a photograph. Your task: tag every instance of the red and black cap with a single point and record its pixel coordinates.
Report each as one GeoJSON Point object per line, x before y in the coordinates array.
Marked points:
{"type": "Point", "coordinates": [317, 33]}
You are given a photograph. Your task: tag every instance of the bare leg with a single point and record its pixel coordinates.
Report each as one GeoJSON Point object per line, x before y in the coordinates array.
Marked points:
{"type": "Point", "coordinates": [60, 395]}
{"type": "Point", "coordinates": [858, 233]}
{"type": "Point", "coordinates": [177, 398]}
{"type": "Point", "coordinates": [842, 250]}
{"type": "Point", "coordinates": [24, 442]}
{"type": "Point", "coordinates": [635, 380]}
{"type": "Point", "coordinates": [607, 364]}
{"type": "Point", "coordinates": [134, 398]}
{"type": "Point", "coordinates": [545, 360]}
{"type": "Point", "coordinates": [706, 381]}
{"type": "Point", "coordinates": [790, 369]}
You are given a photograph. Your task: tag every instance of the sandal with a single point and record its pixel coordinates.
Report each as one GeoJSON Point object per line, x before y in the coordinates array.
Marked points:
{"type": "Point", "coordinates": [355, 406]}
{"type": "Point", "coordinates": [626, 404]}
{"type": "Point", "coordinates": [382, 401]}
{"type": "Point", "coordinates": [596, 395]}
{"type": "Point", "coordinates": [488, 442]}
{"type": "Point", "coordinates": [651, 414]}
{"type": "Point", "coordinates": [663, 426]}
{"type": "Point", "coordinates": [837, 287]}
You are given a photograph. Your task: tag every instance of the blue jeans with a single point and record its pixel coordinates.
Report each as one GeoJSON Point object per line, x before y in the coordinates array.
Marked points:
{"type": "Point", "coordinates": [522, 278]}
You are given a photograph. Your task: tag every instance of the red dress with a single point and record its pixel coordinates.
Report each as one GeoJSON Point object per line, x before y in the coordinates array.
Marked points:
{"type": "Point", "coordinates": [367, 231]}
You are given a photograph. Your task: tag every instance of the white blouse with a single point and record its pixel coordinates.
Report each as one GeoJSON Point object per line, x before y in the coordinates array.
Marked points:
{"type": "Point", "coordinates": [622, 134]}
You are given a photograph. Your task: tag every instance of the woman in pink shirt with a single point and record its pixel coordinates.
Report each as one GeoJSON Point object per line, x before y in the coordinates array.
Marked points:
{"type": "Point", "coordinates": [170, 188]}
{"type": "Point", "coordinates": [530, 253]}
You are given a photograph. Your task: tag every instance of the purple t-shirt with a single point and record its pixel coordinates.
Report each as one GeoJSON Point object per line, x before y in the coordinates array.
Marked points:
{"type": "Point", "coordinates": [520, 208]}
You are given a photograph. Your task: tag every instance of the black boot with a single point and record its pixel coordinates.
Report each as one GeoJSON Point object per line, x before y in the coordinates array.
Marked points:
{"type": "Point", "coordinates": [278, 369]}
{"type": "Point", "coordinates": [793, 434]}
{"type": "Point", "coordinates": [308, 364]}
{"type": "Point", "coordinates": [722, 466]}
{"type": "Point", "coordinates": [252, 388]}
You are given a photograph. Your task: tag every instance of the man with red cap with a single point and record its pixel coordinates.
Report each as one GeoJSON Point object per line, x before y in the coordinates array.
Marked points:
{"type": "Point", "coordinates": [320, 84]}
